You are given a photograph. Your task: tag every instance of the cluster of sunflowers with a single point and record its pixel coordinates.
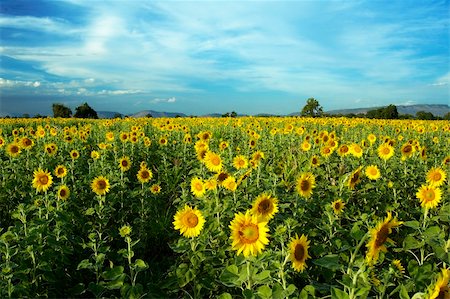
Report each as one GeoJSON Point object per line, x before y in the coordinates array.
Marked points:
{"type": "Point", "coordinates": [204, 207]}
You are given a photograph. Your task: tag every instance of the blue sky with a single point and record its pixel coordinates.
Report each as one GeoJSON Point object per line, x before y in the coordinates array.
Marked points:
{"type": "Point", "coordinates": [217, 56]}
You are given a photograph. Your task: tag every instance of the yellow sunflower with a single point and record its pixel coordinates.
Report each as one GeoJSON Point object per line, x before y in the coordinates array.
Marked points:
{"type": "Point", "coordinates": [124, 164]}
{"type": "Point", "coordinates": [440, 289]}
{"type": "Point", "coordinates": [248, 235]}
{"type": "Point", "coordinates": [144, 175]}
{"type": "Point", "coordinates": [63, 192]}
{"type": "Point", "coordinates": [326, 151]}
{"type": "Point", "coordinates": [372, 172]}
{"type": "Point", "coordinates": [379, 236]}
{"type": "Point", "coordinates": [306, 146]}
{"type": "Point", "coordinates": [100, 185]}
{"type": "Point", "coordinates": [189, 222]}
{"type": "Point", "coordinates": [407, 150]}
{"type": "Point", "coordinates": [398, 265]}
{"type": "Point", "coordinates": [298, 252]}
{"type": "Point", "coordinates": [60, 171]}
{"type": "Point", "coordinates": [356, 150]}
{"type": "Point", "coordinates": [213, 161]}
{"type": "Point", "coordinates": [95, 155]}
{"type": "Point", "coordinates": [429, 196]}
{"type": "Point", "coordinates": [13, 149]}
{"type": "Point", "coordinates": [305, 184]}
{"type": "Point", "coordinates": [354, 178]}
{"type": "Point", "coordinates": [26, 143]}
{"type": "Point", "coordinates": [338, 205]}
{"type": "Point", "coordinates": [230, 183]}
{"type": "Point", "coordinates": [42, 180]}
{"type": "Point", "coordinates": [264, 207]}
{"type": "Point", "coordinates": [436, 176]}
{"type": "Point", "coordinates": [315, 161]}
{"type": "Point", "coordinates": [211, 184]}
{"type": "Point", "coordinates": [240, 162]}
{"type": "Point", "coordinates": [385, 151]}
{"type": "Point", "coordinates": [155, 189]}
{"type": "Point", "coordinates": [343, 150]}
{"type": "Point", "coordinates": [74, 154]}
{"type": "Point", "coordinates": [197, 187]}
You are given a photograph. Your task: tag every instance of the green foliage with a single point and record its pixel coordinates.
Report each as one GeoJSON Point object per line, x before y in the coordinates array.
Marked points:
{"type": "Point", "coordinates": [389, 112]}
{"type": "Point", "coordinates": [85, 111]}
{"type": "Point", "coordinates": [312, 108]}
{"type": "Point", "coordinates": [59, 110]}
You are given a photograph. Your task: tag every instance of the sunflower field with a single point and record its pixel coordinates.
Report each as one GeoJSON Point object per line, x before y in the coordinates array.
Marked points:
{"type": "Point", "coordinates": [224, 208]}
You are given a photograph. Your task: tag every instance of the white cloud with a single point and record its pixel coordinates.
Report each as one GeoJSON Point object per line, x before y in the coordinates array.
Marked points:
{"type": "Point", "coordinates": [167, 100]}
{"type": "Point", "coordinates": [5, 83]}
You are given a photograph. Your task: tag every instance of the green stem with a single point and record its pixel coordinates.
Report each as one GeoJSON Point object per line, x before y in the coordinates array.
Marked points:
{"type": "Point", "coordinates": [249, 278]}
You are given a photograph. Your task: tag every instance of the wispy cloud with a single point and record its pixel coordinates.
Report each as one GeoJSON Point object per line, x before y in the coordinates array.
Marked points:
{"type": "Point", "coordinates": [159, 100]}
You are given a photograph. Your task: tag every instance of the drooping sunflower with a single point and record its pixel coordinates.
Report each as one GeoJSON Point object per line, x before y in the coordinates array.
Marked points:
{"type": "Point", "coordinates": [441, 288]}
{"type": "Point", "coordinates": [398, 265]}
{"type": "Point", "coordinates": [354, 178]}
{"type": "Point", "coordinates": [379, 235]}
{"type": "Point", "coordinates": [436, 176]}
{"type": "Point", "coordinates": [63, 192]}
{"type": "Point", "coordinates": [240, 162]}
{"type": "Point", "coordinates": [189, 221]}
{"type": "Point", "coordinates": [100, 185]}
{"type": "Point", "coordinates": [305, 184]}
{"type": "Point", "coordinates": [144, 175]}
{"type": "Point", "coordinates": [429, 196]}
{"type": "Point", "coordinates": [298, 252]}
{"type": "Point", "coordinates": [265, 207]}
{"type": "Point", "coordinates": [372, 172]}
{"type": "Point", "coordinates": [60, 171]}
{"type": "Point", "coordinates": [197, 187]}
{"type": "Point", "coordinates": [385, 151]}
{"type": "Point", "coordinates": [248, 235]}
{"type": "Point", "coordinates": [42, 180]}
{"type": "Point", "coordinates": [13, 149]}
{"type": "Point", "coordinates": [124, 164]}
{"type": "Point", "coordinates": [213, 161]}
{"type": "Point", "coordinates": [338, 205]}
{"type": "Point", "coordinates": [155, 189]}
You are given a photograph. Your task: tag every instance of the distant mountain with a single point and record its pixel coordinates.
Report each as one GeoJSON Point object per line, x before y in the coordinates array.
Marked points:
{"type": "Point", "coordinates": [108, 114]}
{"type": "Point", "coordinates": [153, 113]}
{"type": "Point", "coordinates": [437, 110]}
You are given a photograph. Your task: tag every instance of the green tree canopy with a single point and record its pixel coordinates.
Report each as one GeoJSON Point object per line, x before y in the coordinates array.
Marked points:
{"type": "Point", "coordinates": [312, 108]}
{"type": "Point", "coordinates": [85, 111]}
{"type": "Point", "coordinates": [424, 115]}
{"type": "Point", "coordinates": [59, 110]}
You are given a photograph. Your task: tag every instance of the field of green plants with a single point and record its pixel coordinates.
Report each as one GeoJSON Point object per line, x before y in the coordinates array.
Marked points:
{"type": "Point", "coordinates": [224, 208]}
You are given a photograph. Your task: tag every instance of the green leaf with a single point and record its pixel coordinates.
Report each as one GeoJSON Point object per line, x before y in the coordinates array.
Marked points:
{"type": "Point", "coordinates": [230, 276]}
{"type": "Point", "coordinates": [140, 265]}
{"type": "Point", "coordinates": [261, 277]}
{"type": "Point", "coordinates": [248, 294]}
{"type": "Point", "coordinates": [413, 224]}
{"type": "Point", "coordinates": [96, 289]}
{"type": "Point", "coordinates": [411, 243]}
{"type": "Point", "coordinates": [432, 232]}
{"type": "Point", "coordinates": [225, 296]}
{"type": "Point", "coordinates": [356, 233]}
{"type": "Point", "coordinates": [115, 284]}
{"type": "Point", "coordinates": [84, 264]}
{"type": "Point", "coordinates": [330, 261]}
{"type": "Point", "coordinates": [277, 291]}
{"type": "Point", "coordinates": [264, 292]}
{"type": "Point", "coordinates": [307, 292]}
{"type": "Point", "coordinates": [403, 292]}
{"type": "Point", "coordinates": [113, 273]}
{"type": "Point", "coordinates": [290, 290]}
{"type": "Point", "coordinates": [338, 294]}
{"type": "Point", "coordinates": [89, 212]}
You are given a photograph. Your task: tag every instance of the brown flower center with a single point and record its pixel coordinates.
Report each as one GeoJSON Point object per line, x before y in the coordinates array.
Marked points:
{"type": "Point", "coordinates": [43, 179]}
{"type": "Point", "coordinates": [249, 233]}
{"type": "Point", "coordinates": [382, 235]}
{"type": "Point", "coordinates": [101, 185]}
{"type": "Point", "coordinates": [191, 220]}
{"type": "Point", "coordinates": [304, 185]}
{"type": "Point", "coordinates": [264, 206]}
{"type": "Point", "coordinates": [299, 252]}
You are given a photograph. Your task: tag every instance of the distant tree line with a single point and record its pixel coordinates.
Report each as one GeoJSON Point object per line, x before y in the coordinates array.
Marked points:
{"type": "Point", "coordinates": [82, 111]}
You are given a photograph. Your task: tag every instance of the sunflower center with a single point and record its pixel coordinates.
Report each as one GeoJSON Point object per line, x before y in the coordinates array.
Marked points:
{"type": "Point", "coordinates": [299, 252]}
{"type": "Point", "coordinates": [145, 174]}
{"type": "Point", "coordinates": [101, 184]}
{"type": "Point", "coordinates": [436, 176]}
{"type": "Point", "coordinates": [382, 235]}
{"type": "Point", "coordinates": [62, 192]}
{"type": "Point", "coordinates": [60, 171]}
{"type": "Point", "coordinates": [386, 151]}
{"type": "Point", "coordinates": [344, 149]}
{"type": "Point", "coordinates": [314, 161]}
{"type": "Point", "coordinates": [304, 185]}
{"type": "Point", "coordinates": [191, 220]}
{"type": "Point", "coordinates": [124, 163]}
{"type": "Point", "coordinates": [43, 179]}
{"type": "Point", "coordinates": [264, 206]}
{"type": "Point", "coordinates": [222, 176]}
{"type": "Point", "coordinates": [14, 149]}
{"type": "Point", "coordinates": [373, 171]}
{"type": "Point", "coordinates": [429, 195]}
{"type": "Point", "coordinates": [354, 178]}
{"type": "Point", "coordinates": [357, 149]}
{"type": "Point", "coordinates": [249, 233]}
{"type": "Point", "coordinates": [407, 149]}
{"type": "Point", "coordinates": [215, 161]}
{"type": "Point", "coordinates": [198, 186]}
{"type": "Point", "coordinates": [337, 206]}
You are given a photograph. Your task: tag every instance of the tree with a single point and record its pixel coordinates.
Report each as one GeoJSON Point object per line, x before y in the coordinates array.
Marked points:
{"type": "Point", "coordinates": [446, 116]}
{"type": "Point", "coordinates": [85, 111]}
{"type": "Point", "coordinates": [390, 112]}
{"type": "Point", "coordinates": [59, 110]}
{"type": "Point", "coordinates": [312, 108]}
{"type": "Point", "coordinates": [424, 115]}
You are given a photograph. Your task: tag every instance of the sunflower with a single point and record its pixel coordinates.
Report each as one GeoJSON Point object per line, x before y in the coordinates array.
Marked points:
{"type": "Point", "coordinates": [372, 138]}
{"type": "Point", "coordinates": [124, 164]}
{"type": "Point", "coordinates": [109, 136]}
{"type": "Point", "coordinates": [223, 145]}
{"type": "Point", "coordinates": [163, 141]}
{"type": "Point", "coordinates": [197, 187]}
{"type": "Point", "coordinates": [211, 184]}
{"type": "Point", "coordinates": [372, 172]}
{"type": "Point", "coordinates": [95, 155]}
{"type": "Point", "coordinates": [306, 146]}
{"type": "Point", "coordinates": [230, 183]}
{"type": "Point", "coordinates": [26, 143]}
{"type": "Point", "coordinates": [398, 265]}
{"type": "Point", "coordinates": [213, 161]}
{"type": "Point", "coordinates": [429, 196]}
{"type": "Point", "coordinates": [298, 252]}
{"type": "Point", "coordinates": [343, 150]}
{"type": "Point", "coordinates": [60, 171]}
{"type": "Point", "coordinates": [155, 189]}
{"type": "Point", "coordinates": [379, 236]}
{"type": "Point", "coordinates": [189, 222]}
{"type": "Point", "coordinates": [385, 151]}
{"type": "Point", "coordinates": [326, 151]}
{"type": "Point", "coordinates": [42, 180]}
{"type": "Point", "coordinates": [144, 175]}
{"type": "Point", "coordinates": [356, 150]}
{"type": "Point", "coordinates": [13, 149]}
{"type": "Point", "coordinates": [100, 185]}
{"type": "Point", "coordinates": [240, 162]}
{"type": "Point", "coordinates": [125, 231]}
{"type": "Point", "coordinates": [305, 183]}
{"type": "Point", "coordinates": [74, 154]}
{"type": "Point", "coordinates": [338, 205]}
{"type": "Point", "coordinates": [354, 178]}
{"type": "Point", "coordinates": [248, 235]}
{"type": "Point", "coordinates": [407, 150]}
{"type": "Point", "coordinates": [264, 207]}
{"type": "Point", "coordinates": [2, 141]}
{"type": "Point", "coordinates": [440, 289]}
{"type": "Point", "coordinates": [63, 192]}
{"type": "Point", "coordinates": [315, 161]}
{"type": "Point", "coordinates": [124, 136]}
{"type": "Point", "coordinates": [51, 149]}
{"type": "Point", "coordinates": [436, 176]}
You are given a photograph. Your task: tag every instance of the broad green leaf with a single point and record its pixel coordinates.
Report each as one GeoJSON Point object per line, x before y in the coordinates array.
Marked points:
{"type": "Point", "coordinates": [411, 243]}
{"type": "Point", "coordinates": [264, 292]}
{"type": "Point", "coordinates": [403, 292]}
{"type": "Point", "coordinates": [113, 273]}
{"type": "Point", "coordinates": [330, 261]}
{"type": "Point", "coordinates": [84, 264]}
{"type": "Point", "coordinates": [413, 224]}
{"type": "Point", "coordinates": [225, 296]}
{"type": "Point", "coordinates": [338, 294]}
